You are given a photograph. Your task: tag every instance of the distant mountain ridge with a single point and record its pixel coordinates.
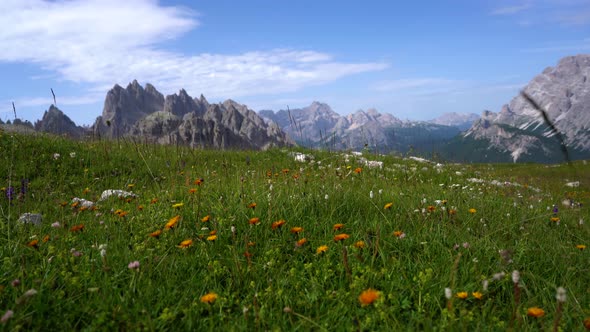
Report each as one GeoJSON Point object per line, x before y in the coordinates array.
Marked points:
{"type": "Point", "coordinates": [318, 125]}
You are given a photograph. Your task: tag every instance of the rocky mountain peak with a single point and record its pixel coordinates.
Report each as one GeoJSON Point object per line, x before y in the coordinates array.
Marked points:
{"type": "Point", "coordinates": [56, 122]}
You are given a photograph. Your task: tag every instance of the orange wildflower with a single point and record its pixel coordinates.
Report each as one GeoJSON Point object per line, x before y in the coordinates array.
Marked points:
{"type": "Point", "coordinates": [213, 232]}
{"type": "Point", "coordinates": [33, 244]}
{"type": "Point", "coordinates": [285, 170]}
{"type": "Point", "coordinates": [535, 312]}
{"type": "Point", "coordinates": [254, 221]}
{"type": "Point", "coordinates": [75, 204]}
{"type": "Point", "coordinates": [462, 295]}
{"type": "Point", "coordinates": [472, 211]}
{"type": "Point", "coordinates": [278, 224]}
{"type": "Point", "coordinates": [185, 243]}
{"type": "Point", "coordinates": [399, 234]}
{"type": "Point", "coordinates": [63, 204]}
{"type": "Point", "coordinates": [359, 244]}
{"type": "Point", "coordinates": [250, 244]}
{"type": "Point", "coordinates": [252, 206]}
{"type": "Point", "coordinates": [337, 226]}
{"type": "Point", "coordinates": [340, 237]}
{"type": "Point", "coordinates": [301, 242]}
{"type": "Point", "coordinates": [554, 219]}
{"type": "Point", "coordinates": [388, 206]}
{"type": "Point", "coordinates": [368, 296]}
{"type": "Point", "coordinates": [122, 213]}
{"type": "Point", "coordinates": [140, 207]}
{"type": "Point", "coordinates": [587, 323]}
{"type": "Point", "coordinates": [192, 190]}
{"type": "Point", "coordinates": [172, 222]}
{"type": "Point", "coordinates": [580, 246]}
{"type": "Point", "coordinates": [77, 228]}
{"type": "Point", "coordinates": [46, 238]}
{"type": "Point", "coordinates": [431, 208]}
{"type": "Point", "coordinates": [209, 298]}
{"type": "Point", "coordinates": [296, 230]}
{"type": "Point", "coordinates": [205, 218]}
{"type": "Point", "coordinates": [212, 237]}
{"type": "Point", "coordinates": [154, 201]}
{"type": "Point", "coordinates": [321, 249]}
{"type": "Point", "coordinates": [477, 295]}
{"type": "Point", "coordinates": [156, 234]}
{"type": "Point", "coordinates": [199, 181]}
{"type": "Point", "coordinates": [358, 170]}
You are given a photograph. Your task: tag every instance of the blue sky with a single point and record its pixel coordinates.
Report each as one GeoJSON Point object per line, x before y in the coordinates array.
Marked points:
{"type": "Point", "coordinates": [413, 59]}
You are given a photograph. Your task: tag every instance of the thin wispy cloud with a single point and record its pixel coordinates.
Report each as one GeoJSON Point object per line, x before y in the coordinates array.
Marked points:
{"type": "Point", "coordinates": [411, 84]}
{"type": "Point", "coordinates": [511, 10]}
{"type": "Point", "coordinates": [102, 42]}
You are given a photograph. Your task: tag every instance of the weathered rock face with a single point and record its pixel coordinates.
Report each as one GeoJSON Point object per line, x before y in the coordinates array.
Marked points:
{"type": "Point", "coordinates": [124, 107]}
{"type": "Point", "coordinates": [563, 92]}
{"type": "Point", "coordinates": [56, 122]}
{"type": "Point", "coordinates": [180, 119]}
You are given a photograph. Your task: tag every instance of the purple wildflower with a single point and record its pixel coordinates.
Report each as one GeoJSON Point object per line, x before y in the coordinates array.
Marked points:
{"type": "Point", "coordinates": [10, 193]}
{"type": "Point", "coordinates": [133, 265]}
{"type": "Point", "coordinates": [24, 184]}
{"type": "Point", "coordinates": [7, 315]}
{"type": "Point", "coordinates": [555, 209]}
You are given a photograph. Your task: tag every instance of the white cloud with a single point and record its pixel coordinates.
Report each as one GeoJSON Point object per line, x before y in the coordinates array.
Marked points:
{"type": "Point", "coordinates": [511, 10]}
{"type": "Point", "coordinates": [103, 42]}
{"type": "Point", "coordinates": [411, 84]}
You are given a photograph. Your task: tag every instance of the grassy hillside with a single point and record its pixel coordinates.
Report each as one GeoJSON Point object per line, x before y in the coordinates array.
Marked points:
{"type": "Point", "coordinates": [203, 245]}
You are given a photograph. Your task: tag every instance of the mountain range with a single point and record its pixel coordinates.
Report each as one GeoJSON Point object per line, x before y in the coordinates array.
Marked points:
{"type": "Point", "coordinates": [518, 132]}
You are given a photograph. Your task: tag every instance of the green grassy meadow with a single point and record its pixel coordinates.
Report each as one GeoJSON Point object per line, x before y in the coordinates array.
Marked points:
{"type": "Point", "coordinates": [201, 246]}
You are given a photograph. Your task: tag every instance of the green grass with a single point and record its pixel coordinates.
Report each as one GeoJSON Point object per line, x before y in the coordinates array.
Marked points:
{"type": "Point", "coordinates": [263, 281]}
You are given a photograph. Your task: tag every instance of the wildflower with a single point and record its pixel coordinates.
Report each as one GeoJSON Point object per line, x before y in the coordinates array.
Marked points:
{"type": "Point", "coordinates": [199, 181]}
{"type": "Point", "coordinates": [498, 276]}
{"type": "Point", "coordinates": [205, 218]}
{"type": "Point", "coordinates": [368, 296]}
{"type": "Point", "coordinates": [466, 245]}
{"type": "Point", "coordinates": [46, 238]}
{"type": "Point", "coordinates": [15, 283]}
{"type": "Point", "coordinates": [278, 224]}
{"type": "Point", "coordinates": [178, 205]}
{"type": "Point", "coordinates": [140, 207]}
{"type": "Point", "coordinates": [172, 222]}
{"type": "Point", "coordinates": [472, 211]}
{"type": "Point", "coordinates": [77, 228]}
{"type": "Point", "coordinates": [156, 234]}
{"type": "Point", "coordinates": [192, 190]}
{"type": "Point", "coordinates": [340, 237]}
{"type": "Point", "coordinates": [535, 312]}
{"type": "Point", "coordinates": [462, 295]}
{"type": "Point", "coordinates": [359, 244]}
{"type": "Point", "coordinates": [587, 323]}
{"type": "Point", "coordinates": [337, 226]}
{"type": "Point", "coordinates": [254, 221]}
{"type": "Point", "coordinates": [321, 249]}
{"type": "Point", "coordinates": [209, 298]}
{"type": "Point", "coordinates": [33, 244]}
{"type": "Point", "coordinates": [388, 206]}
{"type": "Point", "coordinates": [250, 244]}
{"type": "Point", "coordinates": [75, 252]}
{"type": "Point", "coordinates": [399, 234]}
{"type": "Point", "coordinates": [122, 213]}
{"type": "Point", "coordinates": [154, 201]}
{"type": "Point", "coordinates": [185, 243]}
{"type": "Point", "coordinates": [213, 232]}
{"type": "Point", "coordinates": [75, 204]}
{"type": "Point", "coordinates": [130, 186]}
{"type": "Point", "coordinates": [448, 293]}
{"type": "Point", "coordinates": [561, 295]}
{"type": "Point", "coordinates": [301, 242]}
{"type": "Point", "coordinates": [515, 276]}
{"type": "Point", "coordinates": [7, 315]}
{"type": "Point", "coordinates": [452, 212]}
{"type": "Point", "coordinates": [581, 246]}
{"type": "Point", "coordinates": [477, 295]}
{"type": "Point", "coordinates": [296, 230]}
{"type": "Point", "coordinates": [555, 219]}
{"type": "Point", "coordinates": [371, 195]}
{"type": "Point", "coordinates": [358, 170]}
{"type": "Point", "coordinates": [431, 208]}
{"type": "Point", "coordinates": [133, 265]}
{"type": "Point", "coordinates": [212, 237]}
{"type": "Point", "coordinates": [252, 206]}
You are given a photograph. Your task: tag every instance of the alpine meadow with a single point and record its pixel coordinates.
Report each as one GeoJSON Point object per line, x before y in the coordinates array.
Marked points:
{"type": "Point", "coordinates": [123, 235]}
